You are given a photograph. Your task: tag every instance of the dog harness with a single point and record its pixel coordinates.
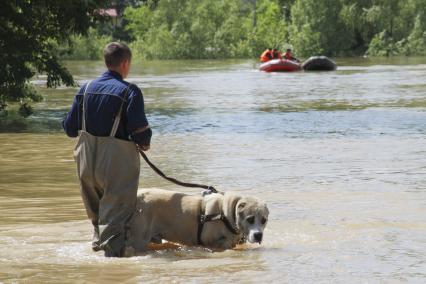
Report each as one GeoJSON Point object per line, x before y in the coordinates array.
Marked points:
{"type": "Point", "coordinates": [203, 218]}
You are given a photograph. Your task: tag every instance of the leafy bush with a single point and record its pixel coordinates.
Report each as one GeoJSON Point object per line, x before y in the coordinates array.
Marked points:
{"type": "Point", "coordinates": [381, 45]}
{"type": "Point", "coordinates": [81, 47]}
{"type": "Point", "coordinates": [415, 43]}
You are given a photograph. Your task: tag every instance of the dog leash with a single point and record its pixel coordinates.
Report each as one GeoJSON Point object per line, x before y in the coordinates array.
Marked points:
{"type": "Point", "coordinates": [208, 188]}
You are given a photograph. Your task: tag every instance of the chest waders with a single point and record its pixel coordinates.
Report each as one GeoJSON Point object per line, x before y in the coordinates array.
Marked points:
{"type": "Point", "coordinates": [108, 169]}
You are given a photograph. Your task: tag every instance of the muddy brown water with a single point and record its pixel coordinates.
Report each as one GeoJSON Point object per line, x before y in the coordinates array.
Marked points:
{"type": "Point", "coordinates": [339, 157]}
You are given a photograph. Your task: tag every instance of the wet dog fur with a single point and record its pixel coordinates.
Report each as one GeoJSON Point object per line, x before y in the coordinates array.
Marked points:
{"type": "Point", "coordinates": [173, 217]}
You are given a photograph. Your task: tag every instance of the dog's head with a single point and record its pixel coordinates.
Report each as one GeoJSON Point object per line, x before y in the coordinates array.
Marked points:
{"type": "Point", "coordinates": [251, 216]}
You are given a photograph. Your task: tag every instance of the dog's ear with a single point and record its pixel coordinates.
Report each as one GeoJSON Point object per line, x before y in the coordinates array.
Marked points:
{"type": "Point", "coordinates": [229, 205]}
{"type": "Point", "coordinates": [213, 203]}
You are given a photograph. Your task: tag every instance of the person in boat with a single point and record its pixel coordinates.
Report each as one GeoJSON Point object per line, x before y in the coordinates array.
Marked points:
{"type": "Point", "coordinates": [276, 54]}
{"type": "Point", "coordinates": [289, 56]}
{"type": "Point", "coordinates": [109, 120]}
{"type": "Point", "coordinates": [266, 55]}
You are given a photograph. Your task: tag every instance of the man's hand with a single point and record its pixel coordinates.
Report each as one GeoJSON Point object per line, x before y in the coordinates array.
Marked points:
{"type": "Point", "coordinates": [142, 147]}
{"type": "Point", "coordinates": [143, 136]}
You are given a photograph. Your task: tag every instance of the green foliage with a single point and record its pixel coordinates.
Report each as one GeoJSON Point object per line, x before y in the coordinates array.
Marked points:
{"type": "Point", "coordinates": [34, 34]}
{"type": "Point", "coordinates": [28, 30]}
{"type": "Point", "coordinates": [205, 29]}
{"type": "Point", "coordinates": [317, 28]}
{"type": "Point", "coordinates": [167, 29]}
{"type": "Point", "coordinates": [83, 47]}
{"type": "Point", "coordinates": [271, 28]}
{"type": "Point", "coordinates": [415, 44]}
{"type": "Point", "coordinates": [381, 45]}
{"type": "Point", "coordinates": [385, 27]}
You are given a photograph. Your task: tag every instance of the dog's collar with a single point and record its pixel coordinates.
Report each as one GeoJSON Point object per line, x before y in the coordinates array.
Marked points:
{"type": "Point", "coordinates": [203, 218]}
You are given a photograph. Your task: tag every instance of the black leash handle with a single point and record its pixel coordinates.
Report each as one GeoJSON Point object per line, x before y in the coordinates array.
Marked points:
{"type": "Point", "coordinates": [173, 180]}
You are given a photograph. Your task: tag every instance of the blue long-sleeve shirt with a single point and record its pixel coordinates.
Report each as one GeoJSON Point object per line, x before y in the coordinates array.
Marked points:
{"type": "Point", "coordinates": [104, 97]}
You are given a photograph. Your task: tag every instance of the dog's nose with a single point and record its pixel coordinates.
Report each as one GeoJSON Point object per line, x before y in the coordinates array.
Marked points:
{"type": "Point", "coordinates": [258, 237]}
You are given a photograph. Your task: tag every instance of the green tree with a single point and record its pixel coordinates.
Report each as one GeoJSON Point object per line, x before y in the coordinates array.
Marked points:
{"type": "Point", "coordinates": [179, 28]}
{"type": "Point", "coordinates": [316, 28]}
{"type": "Point", "coordinates": [81, 47]}
{"type": "Point", "coordinates": [115, 28]}
{"type": "Point", "coordinates": [415, 43]}
{"type": "Point", "coordinates": [353, 15]}
{"type": "Point", "coordinates": [271, 29]}
{"type": "Point", "coordinates": [384, 27]}
{"type": "Point", "coordinates": [194, 29]}
{"type": "Point", "coordinates": [206, 29]}
{"type": "Point", "coordinates": [28, 31]}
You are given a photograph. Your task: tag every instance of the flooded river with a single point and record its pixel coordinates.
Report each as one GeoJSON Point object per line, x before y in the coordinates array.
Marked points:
{"type": "Point", "coordinates": [339, 157]}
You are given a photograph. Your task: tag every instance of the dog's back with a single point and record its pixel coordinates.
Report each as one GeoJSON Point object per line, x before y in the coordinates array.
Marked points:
{"type": "Point", "coordinates": [164, 214]}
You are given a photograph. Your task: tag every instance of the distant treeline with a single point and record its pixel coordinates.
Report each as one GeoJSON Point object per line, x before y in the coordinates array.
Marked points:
{"type": "Point", "coordinates": [35, 35]}
{"type": "Point", "coordinates": [195, 29]}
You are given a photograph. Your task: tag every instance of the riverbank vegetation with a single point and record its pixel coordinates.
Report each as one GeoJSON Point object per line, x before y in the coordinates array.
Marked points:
{"type": "Point", "coordinates": [167, 29]}
{"type": "Point", "coordinates": [34, 35]}
{"type": "Point", "coordinates": [199, 29]}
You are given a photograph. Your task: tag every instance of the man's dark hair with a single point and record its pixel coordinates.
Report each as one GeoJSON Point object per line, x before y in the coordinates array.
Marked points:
{"type": "Point", "coordinates": [115, 53]}
{"type": "Point", "coordinates": [288, 50]}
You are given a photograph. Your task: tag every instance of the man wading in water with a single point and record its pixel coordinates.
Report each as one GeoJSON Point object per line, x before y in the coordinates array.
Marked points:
{"type": "Point", "coordinates": [109, 119]}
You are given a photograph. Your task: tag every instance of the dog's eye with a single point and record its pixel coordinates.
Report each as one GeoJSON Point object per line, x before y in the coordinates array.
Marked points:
{"type": "Point", "coordinates": [241, 205]}
{"type": "Point", "coordinates": [250, 219]}
{"type": "Point", "coordinates": [263, 221]}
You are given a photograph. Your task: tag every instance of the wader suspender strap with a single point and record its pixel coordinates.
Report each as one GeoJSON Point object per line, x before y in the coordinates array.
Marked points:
{"type": "Point", "coordinates": [213, 217]}
{"type": "Point", "coordinates": [117, 117]}
{"type": "Point", "coordinates": [83, 124]}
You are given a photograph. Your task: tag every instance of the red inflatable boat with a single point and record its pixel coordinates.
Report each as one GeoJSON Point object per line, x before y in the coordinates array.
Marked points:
{"type": "Point", "coordinates": [280, 65]}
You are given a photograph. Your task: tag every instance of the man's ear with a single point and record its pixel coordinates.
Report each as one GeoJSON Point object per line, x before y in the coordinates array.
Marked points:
{"type": "Point", "coordinates": [125, 67]}
{"type": "Point", "coordinates": [127, 62]}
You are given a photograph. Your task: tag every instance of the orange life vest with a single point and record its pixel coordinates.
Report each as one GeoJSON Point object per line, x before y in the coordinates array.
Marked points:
{"type": "Point", "coordinates": [266, 56]}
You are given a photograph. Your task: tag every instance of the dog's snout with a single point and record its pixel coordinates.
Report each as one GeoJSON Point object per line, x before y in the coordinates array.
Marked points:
{"type": "Point", "coordinates": [258, 237]}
